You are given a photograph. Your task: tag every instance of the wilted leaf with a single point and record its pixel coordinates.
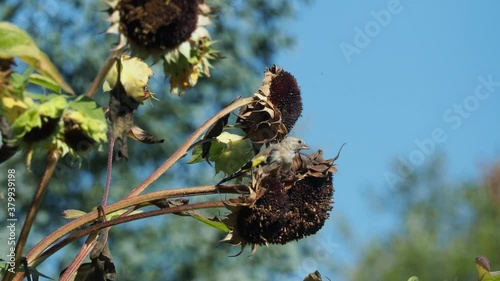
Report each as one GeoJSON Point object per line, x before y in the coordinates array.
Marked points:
{"type": "Point", "coordinates": [215, 150]}
{"type": "Point", "coordinates": [134, 77]}
{"type": "Point", "coordinates": [213, 222]}
{"type": "Point", "coordinates": [15, 42]}
{"type": "Point", "coordinates": [236, 153]}
{"type": "Point", "coordinates": [228, 151]}
{"type": "Point", "coordinates": [45, 82]}
{"type": "Point", "coordinates": [143, 136]}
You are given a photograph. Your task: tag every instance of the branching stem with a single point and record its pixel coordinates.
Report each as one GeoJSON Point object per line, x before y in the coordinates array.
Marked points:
{"type": "Point", "coordinates": [34, 256]}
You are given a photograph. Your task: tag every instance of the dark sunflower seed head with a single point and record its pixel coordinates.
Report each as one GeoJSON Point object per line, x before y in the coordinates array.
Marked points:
{"type": "Point", "coordinates": [157, 23]}
{"type": "Point", "coordinates": [285, 95]}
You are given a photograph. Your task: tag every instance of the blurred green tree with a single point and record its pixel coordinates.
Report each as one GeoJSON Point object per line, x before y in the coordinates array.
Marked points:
{"type": "Point", "coordinates": [443, 228]}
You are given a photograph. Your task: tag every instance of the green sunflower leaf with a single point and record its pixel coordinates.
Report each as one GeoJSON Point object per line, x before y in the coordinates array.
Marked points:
{"type": "Point", "coordinates": [15, 42]}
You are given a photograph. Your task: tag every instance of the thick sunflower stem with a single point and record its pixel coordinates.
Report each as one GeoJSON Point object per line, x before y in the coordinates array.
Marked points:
{"type": "Point", "coordinates": [35, 256]}
{"type": "Point", "coordinates": [52, 159]}
{"type": "Point", "coordinates": [120, 220]}
{"type": "Point", "coordinates": [183, 149]}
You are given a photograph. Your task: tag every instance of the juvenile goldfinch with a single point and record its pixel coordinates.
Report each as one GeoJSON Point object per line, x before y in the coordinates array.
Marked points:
{"type": "Point", "coordinates": [274, 159]}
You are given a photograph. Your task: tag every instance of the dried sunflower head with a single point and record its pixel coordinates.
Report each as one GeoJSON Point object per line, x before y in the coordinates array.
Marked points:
{"type": "Point", "coordinates": [40, 119]}
{"type": "Point", "coordinates": [276, 108]}
{"type": "Point", "coordinates": [173, 31]}
{"type": "Point", "coordinates": [57, 122]}
{"type": "Point", "coordinates": [282, 209]}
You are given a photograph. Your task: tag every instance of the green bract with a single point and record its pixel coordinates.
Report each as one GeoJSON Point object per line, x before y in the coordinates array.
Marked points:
{"type": "Point", "coordinates": [92, 120]}
{"type": "Point", "coordinates": [134, 77]}
{"type": "Point", "coordinates": [229, 152]}
{"type": "Point", "coordinates": [37, 114]}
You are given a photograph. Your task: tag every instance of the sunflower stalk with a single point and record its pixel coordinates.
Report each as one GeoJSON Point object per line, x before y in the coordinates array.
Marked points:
{"type": "Point", "coordinates": [35, 256]}
{"type": "Point", "coordinates": [52, 159]}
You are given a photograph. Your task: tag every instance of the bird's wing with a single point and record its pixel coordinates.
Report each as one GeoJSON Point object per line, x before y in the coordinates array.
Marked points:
{"type": "Point", "coordinates": [273, 155]}
{"type": "Point", "coordinates": [258, 160]}
{"type": "Point", "coordinates": [272, 160]}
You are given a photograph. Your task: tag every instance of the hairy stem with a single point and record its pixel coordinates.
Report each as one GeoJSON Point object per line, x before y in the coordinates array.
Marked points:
{"type": "Point", "coordinates": [122, 204]}
{"type": "Point", "coordinates": [79, 258]}
{"type": "Point", "coordinates": [120, 220]}
{"type": "Point", "coordinates": [52, 159]}
{"type": "Point", "coordinates": [183, 149]}
{"type": "Point", "coordinates": [92, 239]}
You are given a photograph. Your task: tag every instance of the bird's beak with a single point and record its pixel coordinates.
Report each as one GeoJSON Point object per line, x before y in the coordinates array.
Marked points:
{"type": "Point", "coordinates": [306, 146]}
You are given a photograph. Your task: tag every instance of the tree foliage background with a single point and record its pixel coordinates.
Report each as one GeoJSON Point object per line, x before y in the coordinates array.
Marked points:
{"type": "Point", "coordinates": [72, 35]}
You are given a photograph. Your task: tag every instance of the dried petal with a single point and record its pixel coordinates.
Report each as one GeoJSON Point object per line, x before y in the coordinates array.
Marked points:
{"type": "Point", "coordinates": [276, 108]}
{"type": "Point", "coordinates": [279, 210]}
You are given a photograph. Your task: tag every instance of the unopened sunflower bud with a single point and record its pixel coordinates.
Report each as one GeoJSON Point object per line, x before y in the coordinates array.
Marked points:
{"type": "Point", "coordinates": [135, 75]}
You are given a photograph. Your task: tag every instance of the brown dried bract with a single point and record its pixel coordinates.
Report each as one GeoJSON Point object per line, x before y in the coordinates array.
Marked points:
{"type": "Point", "coordinates": [280, 210]}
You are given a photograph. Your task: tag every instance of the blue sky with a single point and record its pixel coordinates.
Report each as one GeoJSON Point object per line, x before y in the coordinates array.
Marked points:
{"type": "Point", "coordinates": [395, 79]}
